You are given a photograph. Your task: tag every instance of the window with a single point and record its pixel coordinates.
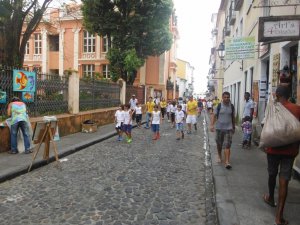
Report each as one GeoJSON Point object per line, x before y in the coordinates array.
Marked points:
{"type": "Point", "coordinates": [27, 48]}
{"type": "Point", "coordinates": [105, 71]}
{"type": "Point", "coordinates": [53, 43]}
{"type": "Point", "coordinates": [88, 70]}
{"type": "Point", "coordinates": [105, 44]}
{"type": "Point", "coordinates": [88, 42]}
{"type": "Point", "coordinates": [37, 44]}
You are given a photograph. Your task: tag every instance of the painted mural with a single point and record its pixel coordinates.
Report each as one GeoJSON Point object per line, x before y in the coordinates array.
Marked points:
{"type": "Point", "coordinates": [24, 81]}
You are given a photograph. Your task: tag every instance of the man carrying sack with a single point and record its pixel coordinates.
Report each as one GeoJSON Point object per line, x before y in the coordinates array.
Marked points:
{"type": "Point", "coordinates": [281, 157]}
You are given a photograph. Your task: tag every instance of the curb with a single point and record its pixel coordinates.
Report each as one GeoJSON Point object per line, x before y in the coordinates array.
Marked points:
{"type": "Point", "coordinates": [210, 190]}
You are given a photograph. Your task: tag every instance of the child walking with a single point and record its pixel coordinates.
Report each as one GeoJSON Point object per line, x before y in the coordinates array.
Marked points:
{"type": "Point", "coordinates": [155, 122]}
{"type": "Point", "coordinates": [119, 120]}
{"type": "Point", "coordinates": [179, 117]}
{"type": "Point", "coordinates": [172, 113]}
{"type": "Point", "coordinates": [128, 122]}
{"type": "Point", "coordinates": [168, 110]}
{"type": "Point", "coordinates": [247, 131]}
{"type": "Point", "coordinates": [138, 115]}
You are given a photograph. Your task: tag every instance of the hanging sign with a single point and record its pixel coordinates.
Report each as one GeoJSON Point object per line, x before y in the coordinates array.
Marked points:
{"type": "Point", "coordinates": [278, 28]}
{"type": "Point", "coordinates": [24, 81]}
{"type": "Point", "coordinates": [239, 48]}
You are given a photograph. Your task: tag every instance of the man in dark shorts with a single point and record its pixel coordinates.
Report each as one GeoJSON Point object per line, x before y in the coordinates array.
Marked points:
{"type": "Point", "coordinates": [225, 127]}
{"type": "Point", "coordinates": [283, 158]}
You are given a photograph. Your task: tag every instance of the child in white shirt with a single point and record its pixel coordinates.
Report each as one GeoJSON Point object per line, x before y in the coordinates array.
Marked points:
{"type": "Point", "coordinates": [179, 117]}
{"type": "Point", "coordinates": [172, 113]}
{"type": "Point", "coordinates": [168, 110]}
{"type": "Point", "coordinates": [128, 122]}
{"type": "Point", "coordinates": [119, 120]}
{"type": "Point", "coordinates": [138, 115]}
{"type": "Point", "coordinates": [155, 122]}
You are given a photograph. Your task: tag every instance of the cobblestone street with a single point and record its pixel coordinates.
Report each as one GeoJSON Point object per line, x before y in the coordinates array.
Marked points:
{"type": "Point", "coordinates": [145, 182]}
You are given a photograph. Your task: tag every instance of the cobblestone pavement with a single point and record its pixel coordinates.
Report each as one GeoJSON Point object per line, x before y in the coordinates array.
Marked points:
{"type": "Point", "coordinates": [146, 182]}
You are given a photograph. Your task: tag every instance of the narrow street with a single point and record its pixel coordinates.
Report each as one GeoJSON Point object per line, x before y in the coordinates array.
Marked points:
{"type": "Point", "coordinates": [146, 182]}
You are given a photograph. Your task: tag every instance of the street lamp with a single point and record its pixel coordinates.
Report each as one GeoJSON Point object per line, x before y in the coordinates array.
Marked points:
{"type": "Point", "coordinates": [221, 51]}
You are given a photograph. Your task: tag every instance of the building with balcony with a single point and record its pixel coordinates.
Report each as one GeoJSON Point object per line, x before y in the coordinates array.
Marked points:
{"type": "Point", "coordinates": [61, 43]}
{"type": "Point", "coordinates": [259, 74]}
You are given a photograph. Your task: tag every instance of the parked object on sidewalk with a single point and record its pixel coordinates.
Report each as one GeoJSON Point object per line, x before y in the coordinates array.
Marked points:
{"type": "Point", "coordinates": [89, 126]}
{"type": "Point", "coordinates": [281, 127]}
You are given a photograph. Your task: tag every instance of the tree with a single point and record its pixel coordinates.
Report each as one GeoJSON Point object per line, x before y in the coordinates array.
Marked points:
{"type": "Point", "coordinates": [135, 29]}
{"type": "Point", "coordinates": [14, 14]}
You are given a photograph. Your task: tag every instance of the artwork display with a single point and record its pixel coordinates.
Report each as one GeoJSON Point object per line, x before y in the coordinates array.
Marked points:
{"type": "Point", "coordinates": [3, 97]}
{"type": "Point", "coordinates": [28, 96]}
{"type": "Point", "coordinates": [24, 81]}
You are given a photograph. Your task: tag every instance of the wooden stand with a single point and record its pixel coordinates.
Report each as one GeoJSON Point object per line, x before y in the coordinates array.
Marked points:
{"type": "Point", "coordinates": [46, 136]}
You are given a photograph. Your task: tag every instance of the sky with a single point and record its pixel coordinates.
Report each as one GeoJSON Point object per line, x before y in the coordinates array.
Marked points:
{"type": "Point", "coordinates": [194, 25]}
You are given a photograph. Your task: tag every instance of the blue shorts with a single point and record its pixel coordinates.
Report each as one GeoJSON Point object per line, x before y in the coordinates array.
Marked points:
{"type": "Point", "coordinates": [138, 118]}
{"type": "Point", "coordinates": [127, 128]}
{"type": "Point", "coordinates": [155, 127]}
{"type": "Point", "coordinates": [179, 126]}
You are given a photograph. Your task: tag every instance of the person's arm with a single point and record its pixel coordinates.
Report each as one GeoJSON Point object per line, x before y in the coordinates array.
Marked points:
{"type": "Point", "coordinates": [213, 120]}
{"type": "Point", "coordinates": [233, 121]}
{"type": "Point", "coordinates": [9, 109]}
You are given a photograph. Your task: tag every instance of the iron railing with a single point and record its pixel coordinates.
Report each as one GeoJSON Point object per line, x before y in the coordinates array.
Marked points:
{"type": "Point", "coordinates": [94, 94]}
{"type": "Point", "coordinates": [51, 96]}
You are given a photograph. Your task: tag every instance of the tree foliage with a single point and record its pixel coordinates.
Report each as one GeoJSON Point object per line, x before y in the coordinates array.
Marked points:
{"type": "Point", "coordinates": [136, 29]}
{"type": "Point", "coordinates": [13, 15]}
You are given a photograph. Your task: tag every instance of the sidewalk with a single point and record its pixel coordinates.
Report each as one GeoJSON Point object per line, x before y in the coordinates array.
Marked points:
{"type": "Point", "coordinates": [15, 165]}
{"type": "Point", "coordinates": [239, 191]}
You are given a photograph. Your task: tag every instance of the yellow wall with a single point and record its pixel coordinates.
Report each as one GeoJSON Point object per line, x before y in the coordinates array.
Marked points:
{"type": "Point", "coordinates": [181, 69]}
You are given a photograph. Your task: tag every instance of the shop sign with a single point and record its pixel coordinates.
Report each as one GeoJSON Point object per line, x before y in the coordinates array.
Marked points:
{"type": "Point", "coordinates": [279, 28]}
{"type": "Point", "coordinates": [239, 48]}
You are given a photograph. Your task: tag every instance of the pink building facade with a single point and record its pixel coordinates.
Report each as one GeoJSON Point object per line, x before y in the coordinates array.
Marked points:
{"type": "Point", "coordinates": [62, 44]}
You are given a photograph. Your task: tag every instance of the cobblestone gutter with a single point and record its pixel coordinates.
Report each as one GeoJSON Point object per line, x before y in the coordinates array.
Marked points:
{"type": "Point", "coordinates": [210, 201]}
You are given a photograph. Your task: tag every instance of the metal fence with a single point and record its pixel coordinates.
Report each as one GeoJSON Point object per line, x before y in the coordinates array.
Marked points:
{"type": "Point", "coordinates": [94, 94]}
{"type": "Point", "coordinates": [138, 91]}
{"type": "Point", "coordinates": [51, 96]}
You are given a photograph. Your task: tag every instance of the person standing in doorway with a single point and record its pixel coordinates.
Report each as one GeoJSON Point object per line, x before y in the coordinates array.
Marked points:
{"type": "Point", "coordinates": [191, 111]}
{"type": "Point", "coordinates": [18, 112]}
{"type": "Point", "coordinates": [149, 109]}
{"type": "Point", "coordinates": [224, 120]}
{"type": "Point", "coordinates": [281, 157]}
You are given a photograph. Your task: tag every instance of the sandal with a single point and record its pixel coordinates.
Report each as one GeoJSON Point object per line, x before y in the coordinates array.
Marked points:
{"type": "Point", "coordinates": [282, 222]}
{"type": "Point", "coordinates": [228, 166]}
{"type": "Point", "coordinates": [266, 200]}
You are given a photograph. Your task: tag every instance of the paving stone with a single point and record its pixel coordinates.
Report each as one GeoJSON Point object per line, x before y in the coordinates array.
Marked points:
{"type": "Point", "coordinates": [147, 182]}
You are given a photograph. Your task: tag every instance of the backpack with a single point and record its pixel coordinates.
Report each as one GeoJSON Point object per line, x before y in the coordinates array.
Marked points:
{"type": "Point", "coordinates": [219, 108]}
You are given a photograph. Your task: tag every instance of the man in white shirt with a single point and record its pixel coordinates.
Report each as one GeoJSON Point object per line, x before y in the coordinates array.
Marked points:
{"type": "Point", "coordinates": [248, 107]}
{"type": "Point", "coordinates": [133, 101]}
{"type": "Point", "coordinates": [248, 110]}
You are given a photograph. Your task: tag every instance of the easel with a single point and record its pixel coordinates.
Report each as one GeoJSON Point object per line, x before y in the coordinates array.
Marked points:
{"type": "Point", "coordinates": [45, 136]}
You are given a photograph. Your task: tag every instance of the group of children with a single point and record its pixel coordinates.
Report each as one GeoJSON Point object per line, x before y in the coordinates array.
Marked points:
{"type": "Point", "coordinates": [123, 119]}
{"type": "Point", "coordinates": [125, 115]}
